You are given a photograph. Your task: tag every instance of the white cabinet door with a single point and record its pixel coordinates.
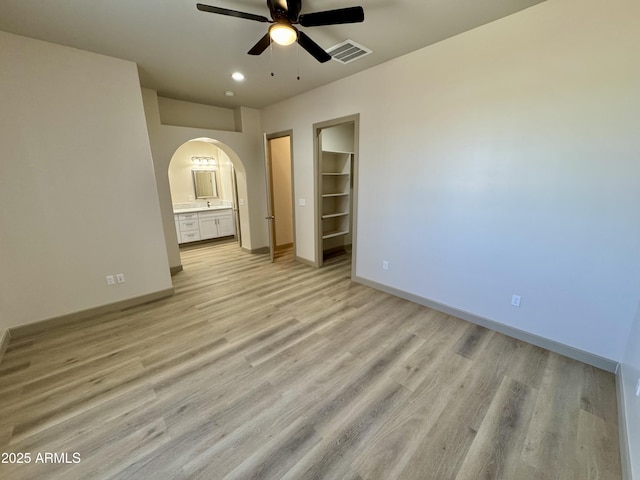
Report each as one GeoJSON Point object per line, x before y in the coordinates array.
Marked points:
{"type": "Point", "coordinates": [208, 228]}
{"type": "Point", "coordinates": [195, 226]}
{"type": "Point", "coordinates": [225, 226]}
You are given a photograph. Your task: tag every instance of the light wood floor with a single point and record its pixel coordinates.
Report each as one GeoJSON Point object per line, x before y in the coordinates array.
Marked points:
{"type": "Point", "coordinates": [261, 371]}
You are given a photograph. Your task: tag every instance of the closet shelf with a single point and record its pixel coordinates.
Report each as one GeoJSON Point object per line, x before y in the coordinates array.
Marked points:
{"type": "Point", "coordinates": [326, 195]}
{"type": "Point", "coordinates": [337, 151]}
{"type": "Point", "coordinates": [335, 198]}
{"type": "Point", "coordinates": [334, 234]}
{"type": "Point", "coordinates": [333, 215]}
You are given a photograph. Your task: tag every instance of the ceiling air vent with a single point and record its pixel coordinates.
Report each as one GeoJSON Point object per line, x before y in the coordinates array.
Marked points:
{"type": "Point", "coordinates": [348, 51]}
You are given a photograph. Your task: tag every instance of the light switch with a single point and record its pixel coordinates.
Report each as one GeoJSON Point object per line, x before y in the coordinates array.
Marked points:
{"type": "Point", "coordinates": [302, 202]}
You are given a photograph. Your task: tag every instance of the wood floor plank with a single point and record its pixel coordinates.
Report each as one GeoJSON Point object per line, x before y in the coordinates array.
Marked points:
{"type": "Point", "coordinates": [495, 452]}
{"type": "Point", "coordinates": [389, 451]}
{"type": "Point", "coordinates": [552, 436]}
{"type": "Point", "coordinates": [279, 370]}
{"type": "Point", "coordinates": [596, 461]}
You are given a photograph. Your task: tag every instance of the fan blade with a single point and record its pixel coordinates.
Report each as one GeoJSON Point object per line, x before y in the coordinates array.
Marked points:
{"type": "Point", "coordinates": [313, 48]}
{"type": "Point", "coordinates": [332, 17]}
{"type": "Point", "coordinates": [232, 13]}
{"type": "Point", "coordinates": [261, 46]}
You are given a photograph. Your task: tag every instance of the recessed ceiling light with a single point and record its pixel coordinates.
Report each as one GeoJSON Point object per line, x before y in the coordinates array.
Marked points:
{"type": "Point", "coordinates": [229, 93]}
{"type": "Point", "coordinates": [237, 76]}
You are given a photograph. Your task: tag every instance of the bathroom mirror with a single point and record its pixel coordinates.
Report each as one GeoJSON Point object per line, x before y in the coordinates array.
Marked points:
{"type": "Point", "coordinates": [205, 184]}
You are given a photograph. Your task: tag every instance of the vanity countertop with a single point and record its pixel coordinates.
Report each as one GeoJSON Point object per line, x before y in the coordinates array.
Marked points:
{"type": "Point", "coordinates": [201, 209]}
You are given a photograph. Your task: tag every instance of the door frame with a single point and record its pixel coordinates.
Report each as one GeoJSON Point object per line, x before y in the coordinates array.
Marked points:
{"type": "Point", "coordinates": [317, 182]}
{"type": "Point", "coordinates": [236, 208]}
{"type": "Point", "coordinates": [269, 179]}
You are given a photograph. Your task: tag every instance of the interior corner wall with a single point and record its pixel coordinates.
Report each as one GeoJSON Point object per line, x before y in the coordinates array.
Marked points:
{"type": "Point", "coordinates": [630, 373]}
{"type": "Point", "coordinates": [245, 145]}
{"type": "Point", "coordinates": [77, 189]}
{"type": "Point", "coordinates": [501, 161]}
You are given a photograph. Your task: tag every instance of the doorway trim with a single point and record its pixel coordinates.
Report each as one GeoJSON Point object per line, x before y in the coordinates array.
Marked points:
{"type": "Point", "coordinates": [317, 127]}
{"type": "Point", "coordinates": [269, 180]}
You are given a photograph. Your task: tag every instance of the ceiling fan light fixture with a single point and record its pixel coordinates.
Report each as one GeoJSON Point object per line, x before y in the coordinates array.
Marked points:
{"type": "Point", "coordinates": [283, 34]}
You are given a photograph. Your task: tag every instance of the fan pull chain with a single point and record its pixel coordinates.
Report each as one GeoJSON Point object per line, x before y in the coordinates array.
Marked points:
{"type": "Point", "coordinates": [271, 57]}
{"type": "Point", "coordinates": [298, 60]}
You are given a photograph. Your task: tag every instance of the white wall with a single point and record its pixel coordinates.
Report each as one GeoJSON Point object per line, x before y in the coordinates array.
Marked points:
{"type": "Point", "coordinates": [501, 161]}
{"type": "Point", "coordinates": [196, 115]}
{"type": "Point", "coordinates": [225, 179]}
{"type": "Point", "coordinates": [244, 148]}
{"type": "Point", "coordinates": [181, 167]}
{"type": "Point", "coordinates": [630, 377]}
{"type": "Point", "coordinates": [77, 189]}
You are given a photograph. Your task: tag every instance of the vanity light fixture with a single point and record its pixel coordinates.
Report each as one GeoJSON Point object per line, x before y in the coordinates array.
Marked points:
{"type": "Point", "coordinates": [203, 160]}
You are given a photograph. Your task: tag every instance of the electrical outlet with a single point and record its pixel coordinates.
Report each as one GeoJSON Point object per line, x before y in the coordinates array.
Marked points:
{"type": "Point", "coordinates": [120, 277]}
{"type": "Point", "coordinates": [515, 300]}
{"type": "Point", "coordinates": [111, 280]}
{"type": "Point", "coordinates": [385, 265]}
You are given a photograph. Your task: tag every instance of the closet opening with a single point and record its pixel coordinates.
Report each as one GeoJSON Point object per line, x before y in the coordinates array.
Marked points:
{"type": "Point", "coordinates": [336, 173]}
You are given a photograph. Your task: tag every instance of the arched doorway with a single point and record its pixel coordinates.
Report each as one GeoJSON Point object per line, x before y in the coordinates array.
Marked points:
{"type": "Point", "coordinates": [206, 180]}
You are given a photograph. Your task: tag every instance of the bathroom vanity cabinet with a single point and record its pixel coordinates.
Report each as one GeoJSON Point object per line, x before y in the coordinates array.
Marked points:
{"type": "Point", "coordinates": [192, 226]}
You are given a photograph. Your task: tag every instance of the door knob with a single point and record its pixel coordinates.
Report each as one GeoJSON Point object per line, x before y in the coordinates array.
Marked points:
{"type": "Point", "coordinates": [270, 217]}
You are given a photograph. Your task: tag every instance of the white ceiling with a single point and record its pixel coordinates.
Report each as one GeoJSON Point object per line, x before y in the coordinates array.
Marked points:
{"type": "Point", "coordinates": [189, 55]}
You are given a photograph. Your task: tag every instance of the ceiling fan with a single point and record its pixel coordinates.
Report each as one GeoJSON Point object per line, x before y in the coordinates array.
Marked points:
{"type": "Point", "coordinates": [285, 14]}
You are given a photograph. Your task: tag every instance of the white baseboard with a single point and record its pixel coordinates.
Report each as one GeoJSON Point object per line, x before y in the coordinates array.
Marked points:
{"type": "Point", "coordinates": [257, 251]}
{"type": "Point", "coordinates": [556, 347]}
{"type": "Point", "coordinates": [625, 457]}
{"type": "Point", "coordinates": [311, 263]}
{"type": "Point", "coordinates": [36, 327]}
